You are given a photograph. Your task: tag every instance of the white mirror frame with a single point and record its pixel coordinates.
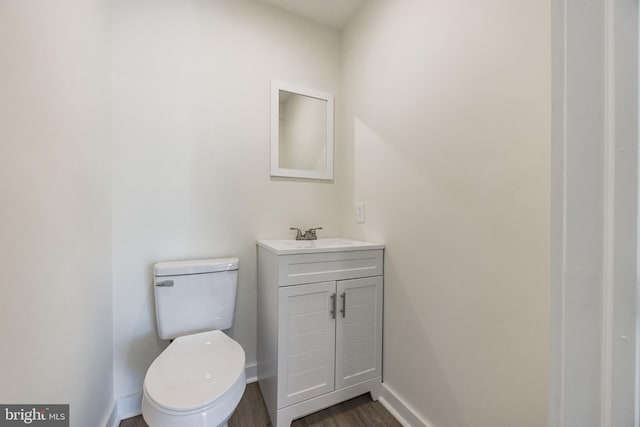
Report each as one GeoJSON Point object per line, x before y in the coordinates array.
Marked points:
{"type": "Point", "coordinates": [276, 170]}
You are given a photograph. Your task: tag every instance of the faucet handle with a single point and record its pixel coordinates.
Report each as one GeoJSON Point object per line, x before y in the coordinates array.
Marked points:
{"type": "Point", "coordinates": [310, 234]}
{"type": "Point", "coordinates": [299, 235]}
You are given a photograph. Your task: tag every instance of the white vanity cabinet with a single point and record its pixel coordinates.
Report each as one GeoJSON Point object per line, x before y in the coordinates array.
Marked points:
{"type": "Point", "coordinates": [319, 325]}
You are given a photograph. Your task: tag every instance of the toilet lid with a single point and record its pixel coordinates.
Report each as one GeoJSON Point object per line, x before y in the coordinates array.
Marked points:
{"type": "Point", "coordinates": [194, 371]}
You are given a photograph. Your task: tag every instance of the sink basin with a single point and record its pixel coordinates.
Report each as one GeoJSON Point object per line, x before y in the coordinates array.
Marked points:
{"type": "Point", "coordinates": [283, 247]}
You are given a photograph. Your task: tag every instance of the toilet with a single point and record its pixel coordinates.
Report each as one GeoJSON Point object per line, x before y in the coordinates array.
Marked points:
{"type": "Point", "coordinates": [199, 379]}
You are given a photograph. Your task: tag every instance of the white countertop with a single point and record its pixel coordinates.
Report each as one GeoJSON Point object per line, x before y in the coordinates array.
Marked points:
{"type": "Point", "coordinates": [337, 244]}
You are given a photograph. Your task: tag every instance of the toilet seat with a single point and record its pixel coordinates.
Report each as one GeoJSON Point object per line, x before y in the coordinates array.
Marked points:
{"type": "Point", "coordinates": [196, 373]}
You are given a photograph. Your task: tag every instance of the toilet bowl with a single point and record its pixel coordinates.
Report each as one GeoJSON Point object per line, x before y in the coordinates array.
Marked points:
{"type": "Point", "coordinates": [197, 381]}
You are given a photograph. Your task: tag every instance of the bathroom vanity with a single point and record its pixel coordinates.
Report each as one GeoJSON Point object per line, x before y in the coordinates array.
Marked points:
{"type": "Point", "coordinates": [319, 324]}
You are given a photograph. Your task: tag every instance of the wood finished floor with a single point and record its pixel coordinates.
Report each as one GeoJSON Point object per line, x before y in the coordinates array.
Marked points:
{"type": "Point", "coordinates": [251, 412]}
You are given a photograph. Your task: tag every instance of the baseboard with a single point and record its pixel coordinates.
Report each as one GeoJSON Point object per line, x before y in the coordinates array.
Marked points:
{"type": "Point", "coordinates": [402, 411]}
{"type": "Point", "coordinates": [123, 408]}
{"type": "Point", "coordinates": [110, 417]}
{"type": "Point", "coordinates": [251, 371]}
{"type": "Point", "coordinates": [131, 406]}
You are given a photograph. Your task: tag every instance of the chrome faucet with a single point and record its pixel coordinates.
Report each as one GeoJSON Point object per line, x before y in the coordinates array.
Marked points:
{"type": "Point", "coordinates": [310, 234]}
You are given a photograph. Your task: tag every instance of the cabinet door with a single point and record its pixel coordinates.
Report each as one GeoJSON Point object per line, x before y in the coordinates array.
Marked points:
{"type": "Point", "coordinates": [306, 342]}
{"type": "Point", "coordinates": [358, 331]}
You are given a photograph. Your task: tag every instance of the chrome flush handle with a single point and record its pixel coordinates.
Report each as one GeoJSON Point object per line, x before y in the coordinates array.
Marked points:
{"type": "Point", "coordinates": [165, 283]}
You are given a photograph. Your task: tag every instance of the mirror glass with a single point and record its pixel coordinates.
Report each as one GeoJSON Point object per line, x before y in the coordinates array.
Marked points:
{"type": "Point", "coordinates": [301, 132]}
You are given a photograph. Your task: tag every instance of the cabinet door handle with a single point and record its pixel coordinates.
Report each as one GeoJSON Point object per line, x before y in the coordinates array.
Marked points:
{"type": "Point", "coordinates": [344, 304]}
{"type": "Point", "coordinates": [333, 306]}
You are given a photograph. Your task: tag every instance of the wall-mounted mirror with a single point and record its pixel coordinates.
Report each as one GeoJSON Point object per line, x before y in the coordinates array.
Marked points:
{"type": "Point", "coordinates": [301, 132]}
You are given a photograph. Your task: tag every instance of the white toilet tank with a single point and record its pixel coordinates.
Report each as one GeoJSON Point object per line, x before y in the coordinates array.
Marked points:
{"type": "Point", "coordinates": [195, 296]}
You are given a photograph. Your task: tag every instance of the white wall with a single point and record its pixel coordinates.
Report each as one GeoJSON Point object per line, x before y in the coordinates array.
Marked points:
{"type": "Point", "coordinates": [447, 140]}
{"type": "Point", "coordinates": [55, 221]}
{"type": "Point", "coordinates": [191, 88]}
